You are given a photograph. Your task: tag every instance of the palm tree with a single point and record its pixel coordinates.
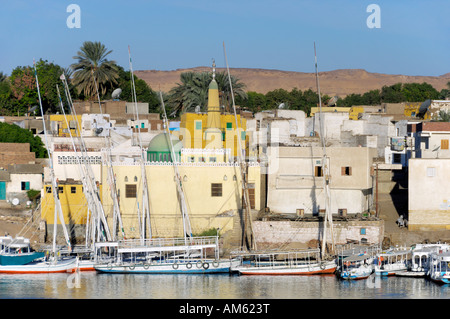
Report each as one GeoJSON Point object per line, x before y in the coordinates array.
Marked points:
{"type": "Point", "coordinates": [93, 68]}
{"type": "Point", "coordinates": [193, 91]}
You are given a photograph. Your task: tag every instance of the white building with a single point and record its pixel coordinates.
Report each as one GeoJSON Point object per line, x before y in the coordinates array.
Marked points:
{"type": "Point", "coordinates": [296, 183]}
{"type": "Point", "coordinates": [428, 194]}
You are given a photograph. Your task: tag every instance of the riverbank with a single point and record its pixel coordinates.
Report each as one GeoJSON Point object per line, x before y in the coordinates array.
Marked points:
{"type": "Point", "coordinates": [19, 220]}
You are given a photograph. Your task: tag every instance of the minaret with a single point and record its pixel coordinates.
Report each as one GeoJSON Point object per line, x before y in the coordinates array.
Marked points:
{"type": "Point", "coordinates": [213, 134]}
{"type": "Point", "coordinates": [213, 102]}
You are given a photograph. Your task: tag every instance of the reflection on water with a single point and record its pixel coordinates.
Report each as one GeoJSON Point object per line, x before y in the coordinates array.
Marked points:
{"type": "Point", "coordinates": [92, 285]}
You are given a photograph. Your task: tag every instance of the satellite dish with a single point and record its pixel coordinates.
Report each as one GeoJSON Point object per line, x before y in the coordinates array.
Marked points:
{"type": "Point", "coordinates": [32, 109]}
{"type": "Point", "coordinates": [98, 130]}
{"type": "Point", "coordinates": [116, 93]}
{"type": "Point", "coordinates": [281, 106]}
{"type": "Point", "coordinates": [197, 109]}
{"type": "Point", "coordinates": [424, 106]}
{"type": "Point", "coordinates": [15, 201]}
{"type": "Point", "coordinates": [333, 101]}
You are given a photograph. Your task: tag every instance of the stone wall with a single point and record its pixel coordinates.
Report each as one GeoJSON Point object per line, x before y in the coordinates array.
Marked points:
{"type": "Point", "coordinates": [284, 232]}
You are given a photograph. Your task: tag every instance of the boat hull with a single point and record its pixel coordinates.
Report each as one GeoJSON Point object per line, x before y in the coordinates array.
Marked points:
{"type": "Point", "coordinates": [193, 267]}
{"type": "Point", "coordinates": [19, 259]}
{"type": "Point", "coordinates": [41, 267]}
{"type": "Point", "coordinates": [440, 278]}
{"type": "Point", "coordinates": [296, 270]}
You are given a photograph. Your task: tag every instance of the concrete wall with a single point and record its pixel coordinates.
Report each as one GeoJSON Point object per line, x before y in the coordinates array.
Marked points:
{"type": "Point", "coordinates": [288, 232]}
{"type": "Point", "coordinates": [428, 196]}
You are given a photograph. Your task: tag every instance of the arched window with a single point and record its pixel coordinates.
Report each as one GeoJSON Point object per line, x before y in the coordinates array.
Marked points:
{"type": "Point", "coordinates": [126, 178]}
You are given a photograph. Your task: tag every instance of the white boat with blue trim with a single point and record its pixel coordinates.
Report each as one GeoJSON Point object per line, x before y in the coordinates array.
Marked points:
{"type": "Point", "coordinates": [195, 255]}
{"type": "Point", "coordinates": [440, 268]}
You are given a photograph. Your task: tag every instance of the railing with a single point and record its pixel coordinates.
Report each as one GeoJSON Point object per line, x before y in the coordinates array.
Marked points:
{"type": "Point", "coordinates": [195, 242]}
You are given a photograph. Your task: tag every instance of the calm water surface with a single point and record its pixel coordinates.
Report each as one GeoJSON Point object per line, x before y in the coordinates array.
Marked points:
{"type": "Point", "coordinates": [92, 285]}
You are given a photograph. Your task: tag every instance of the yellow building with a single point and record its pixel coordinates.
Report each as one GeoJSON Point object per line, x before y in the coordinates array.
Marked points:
{"type": "Point", "coordinates": [213, 130]}
{"type": "Point", "coordinates": [412, 110]}
{"type": "Point", "coordinates": [58, 124]}
{"type": "Point", "coordinates": [315, 110]}
{"type": "Point", "coordinates": [73, 204]}
{"type": "Point", "coordinates": [213, 195]}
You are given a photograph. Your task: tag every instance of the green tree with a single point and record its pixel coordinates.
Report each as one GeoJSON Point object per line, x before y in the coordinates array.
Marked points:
{"type": "Point", "coordinates": [276, 97]}
{"type": "Point", "coordinates": [392, 94]}
{"type": "Point", "coordinates": [24, 91]}
{"type": "Point", "coordinates": [11, 133]}
{"type": "Point", "coordinates": [415, 92]}
{"type": "Point", "coordinates": [93, 69]}
{"type": "Point", "coordinates": [192, 91]}
{"type": "Point", "coordinates": [144, 93]}
{"type": "Point", "coordinates": [255, 102]}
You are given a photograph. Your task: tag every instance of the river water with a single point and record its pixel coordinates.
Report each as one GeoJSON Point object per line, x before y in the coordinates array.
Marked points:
{"type": "Point", "coordinates": [92, 285]}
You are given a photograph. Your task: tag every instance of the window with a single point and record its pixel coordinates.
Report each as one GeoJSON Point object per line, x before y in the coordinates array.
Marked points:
{"type": "Point", "coordinates": [397, 158]}
{"type": "Point", "coordinates": [73, 189]}
{"type": "Point", "coordinates": [431, 171]}
{"type": "Point", "coordinates": [25, 186]}
{"type": "Point", "coordinates": [444, 144]}
{"type": "Point", "coordinates": [198, 125]}
{"type": "Point", "coordinates": [342, 212]}
{"type": "Point", "coordinates": [318, 171]}
{"type": "Point", "coordinates": [48, 189]}
{"type": "Point", "coordinates": [216, 189]}
{"type": "Point", "coordinates": [362, 231]}
{"type": "Point", "coordinates": [229, 126]}
{"type": "Point", "coordinates": [142, 125]}
{"type": "Point", "coordinates": [212, 159]}
{"type": "Point", "coordinates": [243, 135]}
{"type": "Point", "coordinates": [346, 171]}
{"type": "Point", "coordinates": [60, 189]}
{"type": "Point", "coordinates": [130, 191]}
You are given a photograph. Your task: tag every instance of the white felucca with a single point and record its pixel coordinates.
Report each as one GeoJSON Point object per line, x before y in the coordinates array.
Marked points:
{"type": "Point", "coordinates": [52, 263]}
{"type": "Point", "coordinates": [297, 262]}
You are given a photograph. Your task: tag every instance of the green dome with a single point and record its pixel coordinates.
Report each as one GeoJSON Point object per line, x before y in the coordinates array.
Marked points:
{"type": "Point", "coordinates": [160, 143]}
{"type": "Point", "coordinates": [159, 148]}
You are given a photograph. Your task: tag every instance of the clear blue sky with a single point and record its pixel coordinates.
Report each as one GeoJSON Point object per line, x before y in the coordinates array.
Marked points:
{"type": "Point", "coordinates": [414, 38]}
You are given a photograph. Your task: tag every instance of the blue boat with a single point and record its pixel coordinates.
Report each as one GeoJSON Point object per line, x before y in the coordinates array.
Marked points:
{"type": "Point", "coordinates": [17, 251]}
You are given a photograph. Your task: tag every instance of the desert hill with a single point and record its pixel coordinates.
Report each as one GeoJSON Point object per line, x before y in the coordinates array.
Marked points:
{"type": "Point", "coordinates": [337, 82]}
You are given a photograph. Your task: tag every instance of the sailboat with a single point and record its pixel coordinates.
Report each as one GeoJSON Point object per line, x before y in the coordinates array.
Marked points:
{"type": "Point", "coordinates": [187, 255]}
{"type": "Point", "coordinates": [51, 263]}
{"type": "Point", "coordinates": [298, 262]}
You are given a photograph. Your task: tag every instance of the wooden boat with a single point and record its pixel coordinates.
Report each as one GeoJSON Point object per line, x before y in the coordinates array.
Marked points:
{"type": "Point", "coordinates": [17, 251]}
{"type": "Point", "coordinates": [420, 263]}
{"type": "Point", "coordinates": [16, 257]}
{"type": "Point", "coordinates": [440, 268]}
{"type": "Point", "coordinates": [392, 262]}
{"type": "Point", "coordinates": [306, 262]}
{"type": "Point", "coordinates": [41, 266]}
{"type": "Point", "coordinates": [355, 267]}
{"type": "Point", "coordinates": [161, 256]}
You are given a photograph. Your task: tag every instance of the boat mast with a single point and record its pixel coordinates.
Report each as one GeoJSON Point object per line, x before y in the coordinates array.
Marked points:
{"type": "Point", "coordinates": [247, 237]}
{"type": "Point", "coordinates": [325, 171]}
{"type": "Point", "coordinates": [55, 190]}
{"type": "Point", "coordinates": [90, 187]}
{"type": "Point", "coordinates": [145, 196]}
{"type": "Point", "coordinates": [186, 221]}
